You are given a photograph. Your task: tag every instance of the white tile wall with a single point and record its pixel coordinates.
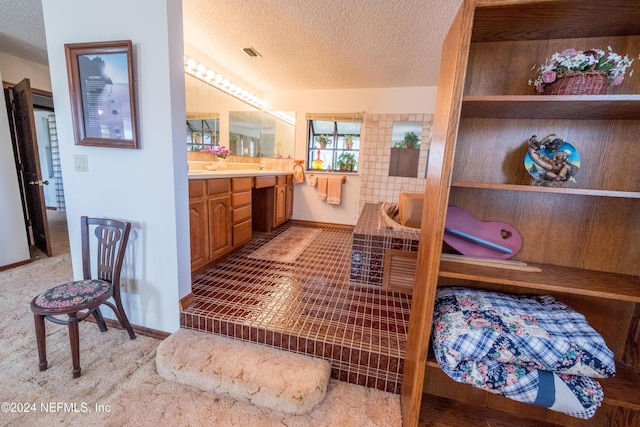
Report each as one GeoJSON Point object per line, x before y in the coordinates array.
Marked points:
{"type": "Point", "coordinates": [375, 183]}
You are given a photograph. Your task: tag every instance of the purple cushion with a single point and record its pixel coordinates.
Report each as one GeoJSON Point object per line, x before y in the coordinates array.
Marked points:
{"type": "Point", "coordinates": [73, 293]}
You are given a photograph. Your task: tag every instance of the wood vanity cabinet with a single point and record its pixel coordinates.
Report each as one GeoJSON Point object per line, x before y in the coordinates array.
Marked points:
{"type": "Point", "coordinates": [241, 214]}
{"type": "Point", "coordinates": [283, 202]}
{"type": "Point", "coordinates": [289, 202]}
{"type": "Point", "coordinates": [223, 212]}
{"type": "Point", "coordinates": [272, 201]}
{"type": "Point", "coordinates": [210, 220]}
{"type": "Point", "coordinates": [585, 238]}
{"type": "Point", "coordinates": [198, 223]}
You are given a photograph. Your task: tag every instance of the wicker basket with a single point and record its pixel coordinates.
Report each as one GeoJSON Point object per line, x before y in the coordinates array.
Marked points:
{"type": "Point", "coordinates": [579, 83]}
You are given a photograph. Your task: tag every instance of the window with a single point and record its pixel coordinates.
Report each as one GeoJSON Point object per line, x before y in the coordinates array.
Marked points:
{"type": "Point", "coordinates": [203, 132]}
{"type": "Point", "coordinates": [334, 142]}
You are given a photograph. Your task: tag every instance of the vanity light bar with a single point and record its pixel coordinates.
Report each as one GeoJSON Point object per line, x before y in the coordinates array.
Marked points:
{"type": "Point", "coordinates": [282, 116]}
{"type": "Point", "coordinates": [201, 72]}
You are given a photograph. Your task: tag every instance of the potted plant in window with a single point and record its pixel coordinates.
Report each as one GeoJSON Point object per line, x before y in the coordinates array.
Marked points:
{"type": "Point", "coordinates": [346, 161]}
{"type": "Point", "coordinates": [411, 140]}
{"type": "Point", "coordinates": [348, 141]}
{"type": "Point", "coordinates": [323, 140]}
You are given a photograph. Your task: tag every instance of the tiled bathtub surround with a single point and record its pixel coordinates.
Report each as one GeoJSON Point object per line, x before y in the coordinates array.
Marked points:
{"type": "Point", "coordinates": [308, 307]}
{"type": "Point", "coordinates": [370, 244]}
{"type": "Point", "coordinates": [375, 183]}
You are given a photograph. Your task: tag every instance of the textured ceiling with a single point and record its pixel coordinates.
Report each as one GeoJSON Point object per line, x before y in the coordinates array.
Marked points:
{"type": "Point", "coordinates": [305, 44]}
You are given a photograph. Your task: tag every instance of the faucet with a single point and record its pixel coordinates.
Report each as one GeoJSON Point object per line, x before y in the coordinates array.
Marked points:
{"type": "Point", "coordinates": [262, 166]}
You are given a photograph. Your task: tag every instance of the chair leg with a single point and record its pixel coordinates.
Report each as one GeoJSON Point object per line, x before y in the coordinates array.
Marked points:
{"type": "Point", "coordinates": [74, 338]}
{"type": "Point", "coordinates": [122, 317]}
{"type": "Point", "coordinates": [41, 341]}
{"type": "Point", "coordinates": [97, 314]}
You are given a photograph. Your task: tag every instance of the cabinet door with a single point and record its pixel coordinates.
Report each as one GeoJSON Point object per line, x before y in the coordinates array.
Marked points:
{"type": "Point", "coordinates": [199, 232]}
{"type": "Point", "coordinates": [219, 226]}
{"type": "Point", "coordinates": [280, 208]}
{"type": "Point", "coordinates": [289, 205]}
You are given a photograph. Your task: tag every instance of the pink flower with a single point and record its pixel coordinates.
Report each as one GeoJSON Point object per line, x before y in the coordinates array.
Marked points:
{"type": "Point", "coordinates": [549, 76]}
{"type": "Point", "coordinates": [570, 52]}
{"type": "Point", "coordinates": [617, 80]}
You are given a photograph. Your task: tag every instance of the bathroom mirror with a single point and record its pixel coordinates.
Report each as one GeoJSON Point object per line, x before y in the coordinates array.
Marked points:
{"type": "Point", "coordinates": [203, 130]}
{"type": "Point", "coordinates": [272, 132]}
{"type": "Point", "coordinates": [261, 134]}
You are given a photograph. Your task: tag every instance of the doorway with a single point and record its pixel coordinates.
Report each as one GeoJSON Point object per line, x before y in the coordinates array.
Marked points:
{"type": "Point", "coordinates": [34, 136]}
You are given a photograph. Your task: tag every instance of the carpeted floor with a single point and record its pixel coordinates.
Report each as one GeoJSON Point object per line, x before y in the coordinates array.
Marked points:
{"type": "Point", "coordinates": [119, 383]}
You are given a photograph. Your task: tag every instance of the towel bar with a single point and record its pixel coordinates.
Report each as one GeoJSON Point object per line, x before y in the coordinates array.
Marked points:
{"type": "Point", "coordinates": [344, 178]}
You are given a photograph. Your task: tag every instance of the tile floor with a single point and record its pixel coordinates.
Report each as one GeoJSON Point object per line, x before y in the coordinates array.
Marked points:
{"type": "Point", "coordinates": [308, 306]}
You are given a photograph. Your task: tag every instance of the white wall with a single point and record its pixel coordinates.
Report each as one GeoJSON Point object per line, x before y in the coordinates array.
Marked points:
{"type": "Point", "coordinates": [147, 186]}
{"type": "Point", "coordinates": [307, 206]}
{"type": "Point", "coordinates": [14, 245]}
{"type": "Point", "coordinates": [15, 69]}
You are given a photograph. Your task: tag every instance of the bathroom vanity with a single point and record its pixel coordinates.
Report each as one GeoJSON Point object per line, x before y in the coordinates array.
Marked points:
{"type": "Point", "coordinates": [225, 207]}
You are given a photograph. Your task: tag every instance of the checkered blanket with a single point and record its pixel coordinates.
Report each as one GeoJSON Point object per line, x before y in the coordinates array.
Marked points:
{"type": "Point", "coordinates": [531, 349]}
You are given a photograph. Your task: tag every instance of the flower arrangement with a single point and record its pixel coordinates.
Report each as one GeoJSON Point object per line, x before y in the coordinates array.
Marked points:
{"type": "Point", "coordinates": [571, 61]}
{"type": "Point", "coordinates": [220, 151]}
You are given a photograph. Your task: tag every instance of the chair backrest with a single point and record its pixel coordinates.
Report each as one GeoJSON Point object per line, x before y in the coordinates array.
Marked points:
{"type": "Point", "coordinates": [112, 237]}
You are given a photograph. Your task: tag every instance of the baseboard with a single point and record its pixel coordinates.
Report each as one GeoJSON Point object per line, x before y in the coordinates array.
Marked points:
{"type": "Point", "coordinates": [323, 224]}
{"type": "Point", "coordinates": [141, 330]}
{"type": "Point", "coordinates": [186, 301]}
{"type": "Point", "coordinates": [15, 264]}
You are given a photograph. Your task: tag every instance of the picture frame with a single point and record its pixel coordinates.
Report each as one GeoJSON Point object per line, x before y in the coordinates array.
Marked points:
{"type": "Point", "coordinates": [102, 92]}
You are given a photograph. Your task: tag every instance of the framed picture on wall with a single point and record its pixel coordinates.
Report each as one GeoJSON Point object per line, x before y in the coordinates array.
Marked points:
{"type": "Point", "coordinates": [101, 87]}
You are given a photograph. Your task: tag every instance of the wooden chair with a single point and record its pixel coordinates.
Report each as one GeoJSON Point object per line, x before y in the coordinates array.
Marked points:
{"type": "Point", "coordinates": [81, 299]}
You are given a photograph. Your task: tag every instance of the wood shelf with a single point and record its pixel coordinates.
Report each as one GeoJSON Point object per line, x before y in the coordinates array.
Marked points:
{"type": "Point", "coordinates": [437, 411]}
{"type": "Point", "coordinates": [620, 390]}
{"type": "Point", "coordinates": [552, 278]}
{"type": "Point", "coordinates": [576, 191]}
{"type": "Point", "coordinates": [584, 240]}
{"type": "Point", "coordinates": [562, 20]}
{"type": "Point", "coordinates": [573, 107]}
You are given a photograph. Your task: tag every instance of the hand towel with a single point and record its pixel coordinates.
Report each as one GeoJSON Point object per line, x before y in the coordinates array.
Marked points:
{"type": "Point", "coordinates": [298, 174]}
{"type": "Point", "coordinates": [334, 190]}
{"type": "Point", "coordinates": [322, 188]}
{"type": "Point", "coordinates": [313, 180]}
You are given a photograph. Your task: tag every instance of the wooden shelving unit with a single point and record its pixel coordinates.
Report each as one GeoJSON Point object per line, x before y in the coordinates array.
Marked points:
{"type": "Point", "coordinates": [585, 238]}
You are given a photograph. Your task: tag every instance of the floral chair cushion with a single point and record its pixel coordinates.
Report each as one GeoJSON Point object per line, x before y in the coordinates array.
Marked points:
{"type": "Point", "coordinates": [72, 294]}
{"type": "Point", "coordinates": [531, 349]}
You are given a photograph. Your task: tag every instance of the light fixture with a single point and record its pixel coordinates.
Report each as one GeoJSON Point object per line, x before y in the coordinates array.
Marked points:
{"type": "Point", "coordinates": [282, 115]}
{"type": "Point", "coordinates": [210, 77]}
{"type": "Point", "coordinates": [202, 73]}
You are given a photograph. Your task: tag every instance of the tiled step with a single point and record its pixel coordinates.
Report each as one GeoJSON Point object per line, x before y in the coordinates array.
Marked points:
{"type": "Point", "coordinates": [307, 307]}
{"type": "Point", "coordinates": [376, 365]}
{"type": "Point", "coordinates": [263, 376]}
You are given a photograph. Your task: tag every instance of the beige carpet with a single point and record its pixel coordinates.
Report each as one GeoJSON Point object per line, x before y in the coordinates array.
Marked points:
{"type": "Point", "coordinates": [288, 246]}
{"type": "Point", "coordinates": [119, 383]}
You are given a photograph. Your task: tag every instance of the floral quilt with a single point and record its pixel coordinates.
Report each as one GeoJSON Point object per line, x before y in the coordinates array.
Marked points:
{"type": "Point", "coordinates": [531, 349]}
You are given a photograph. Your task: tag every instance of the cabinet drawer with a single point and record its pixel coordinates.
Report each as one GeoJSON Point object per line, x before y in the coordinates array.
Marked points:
{"type": "Point", "coordinates": [239, 199]}
{"type": "Point", "coordinates": [265, 181]}
{"type": "Point", "coordinates": [241, 214]}
{"type": "Point", "coordinates": [219, 185]}
{"type": "Point", "coordinates": [282, 179]}
{"type": "Point", "coordinates": [239, 184]}
{"type": "Point", "coordinates": [242, 232]}
{"type": "Point", "coordinates": [196, 188]}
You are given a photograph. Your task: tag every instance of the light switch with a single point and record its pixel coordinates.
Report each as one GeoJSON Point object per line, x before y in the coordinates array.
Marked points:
{"type": "Point", "coordinates": [81, 163]}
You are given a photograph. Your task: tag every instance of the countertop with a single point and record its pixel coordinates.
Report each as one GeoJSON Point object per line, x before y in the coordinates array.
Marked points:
{"type": "Point", "coordinates": [234, 173]}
